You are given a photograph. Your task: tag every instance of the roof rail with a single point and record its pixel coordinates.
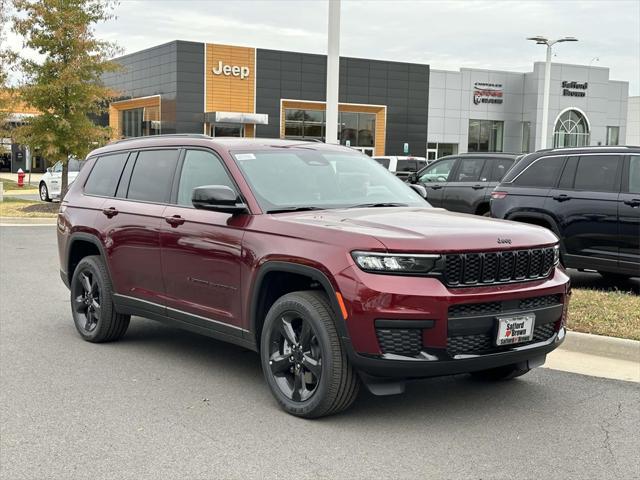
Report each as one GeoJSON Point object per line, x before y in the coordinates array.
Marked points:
{"type": "Point", "coordinates": [164, 135]}
{"type": "Point", "coordinates": [610, 147]}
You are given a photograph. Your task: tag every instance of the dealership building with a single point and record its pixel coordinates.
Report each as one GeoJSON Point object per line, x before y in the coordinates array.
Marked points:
{"type": "Point", "coordinates": [385, 107]}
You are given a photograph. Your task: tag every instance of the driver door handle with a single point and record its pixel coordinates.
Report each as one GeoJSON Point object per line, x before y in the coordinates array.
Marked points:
{"type": "Point", "coordinates": [435, 187]}
{"type": "Point", "coordinates": [174, 221]}
{"type": "Point", "coordinates": [634, 202]}
{"type": "Point", "coordinates": [110, 212]}
{"type": "Point", "coordinates": [562, 197]}
{"type": "Point", "coordinates": [477, 187]}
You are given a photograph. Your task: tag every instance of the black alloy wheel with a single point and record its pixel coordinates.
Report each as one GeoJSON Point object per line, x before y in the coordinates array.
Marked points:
{"type": "Point", "coordinates": [295, 357]}
{"type": "Point", "coordinates": [86, 300]}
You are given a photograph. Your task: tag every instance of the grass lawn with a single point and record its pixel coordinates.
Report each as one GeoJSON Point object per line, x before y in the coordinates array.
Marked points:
{"type": "Point", "coordinates": [612, 313]}
{"type": "Point", "coordinates": [12, 207]}
{"type": "Point", "coordinates": [10, 185]}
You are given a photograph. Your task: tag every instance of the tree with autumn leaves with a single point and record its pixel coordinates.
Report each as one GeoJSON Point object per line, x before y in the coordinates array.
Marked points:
{"type": "Point", "coordinates": [63, 82]}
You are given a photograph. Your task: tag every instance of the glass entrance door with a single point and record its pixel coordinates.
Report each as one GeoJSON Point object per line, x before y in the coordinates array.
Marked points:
{"type": "Point", "coordinates": [227, 130]}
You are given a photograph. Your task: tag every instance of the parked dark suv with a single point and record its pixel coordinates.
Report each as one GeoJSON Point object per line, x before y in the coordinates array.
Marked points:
{"type": "Point", "coordinates": [315, 256]}
{"type": "Point", "coordinates": [589, 197]}
{"type": "Point", "coordinates": [463, 183]}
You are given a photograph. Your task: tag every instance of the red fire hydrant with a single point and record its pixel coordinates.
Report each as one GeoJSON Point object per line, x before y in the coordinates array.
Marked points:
{"type": "Point", "coordinates": [21, 175]}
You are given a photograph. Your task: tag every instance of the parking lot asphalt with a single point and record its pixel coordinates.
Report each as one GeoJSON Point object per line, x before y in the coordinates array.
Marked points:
{"type": "Point", "coordinates": [163, 403]}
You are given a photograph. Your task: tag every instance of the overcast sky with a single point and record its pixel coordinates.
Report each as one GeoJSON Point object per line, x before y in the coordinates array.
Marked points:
{"type": "Point", "coordinates": [445, 35]}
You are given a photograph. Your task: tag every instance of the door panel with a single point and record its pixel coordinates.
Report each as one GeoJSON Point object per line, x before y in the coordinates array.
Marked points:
{"type": "Point", "coordinates": [467, 184]}
{"type": "Point", "coordinates": [434, 179]}
{"type": "Point", "coordinates": [629, 216]}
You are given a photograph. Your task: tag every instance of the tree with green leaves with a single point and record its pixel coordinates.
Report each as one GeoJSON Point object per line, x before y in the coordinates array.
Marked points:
{"type": "Point", "coordinates": [6, 64]}
{"type": "Point", "coordinates": [64, 82]}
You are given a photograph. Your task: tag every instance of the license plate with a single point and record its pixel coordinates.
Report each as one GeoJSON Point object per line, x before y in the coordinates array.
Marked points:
{"type": "Point", "coordinates": [515, 329]}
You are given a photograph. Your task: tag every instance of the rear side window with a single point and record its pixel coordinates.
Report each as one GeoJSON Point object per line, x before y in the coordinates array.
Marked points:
{"type": "Point", "coordinates": [598, 173]}
{"type": "Point", "coordinates": [406, 166]}
{"type": "Point", "coordinates": [469, 170]}
{"type": "Point", "coordinates": [500, 167]}
{"type": "Point", "coordinates": [541, 173]}
{"type": "Point", "coordinates": [634, 174]}
{"type": "Point", "coordinates": [383, 161]}
{"type": "Point", "coordinates": [105, 174]}
{"type": "Point", "coordinates": [201, 168]}
{"type": "Point", "coordinates": [152, 176]}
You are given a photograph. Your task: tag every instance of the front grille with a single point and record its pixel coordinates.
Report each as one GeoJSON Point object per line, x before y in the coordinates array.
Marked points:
{"type": "Point", "coordinates": [540, 302]}
{"type": "Point", "coordinates": [497, 267]}
{"type": "Point", "coordinates": [494, 308]}
{"type": "Point", "coordinates": [483, 343]}
{"type": "Point", "coordinates": [474, 309]}
{"type": "Point", "coordinates": [400, 341]}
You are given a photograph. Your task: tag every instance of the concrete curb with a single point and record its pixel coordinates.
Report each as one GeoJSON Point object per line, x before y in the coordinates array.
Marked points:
{"type": "Point", "coordinates": [611, 347]}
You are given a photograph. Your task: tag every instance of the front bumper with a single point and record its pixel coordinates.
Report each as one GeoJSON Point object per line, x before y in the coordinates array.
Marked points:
{"type": "Point", "coordinates": [429, 307]}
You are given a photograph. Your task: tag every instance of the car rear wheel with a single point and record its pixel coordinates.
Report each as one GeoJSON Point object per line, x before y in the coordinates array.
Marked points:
{"type": "Point", "coordinates": [92, 303]}
{"type": "Point", "coordinates": [500, 373]}
{"type": "Point", "coordinates": [303, 360]}
{"type": "Point", "coordinates": [44, 192]}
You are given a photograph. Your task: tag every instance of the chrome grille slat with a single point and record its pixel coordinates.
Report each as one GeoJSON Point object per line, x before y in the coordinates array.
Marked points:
{"type": "Point", "coordinates": [487, 268]}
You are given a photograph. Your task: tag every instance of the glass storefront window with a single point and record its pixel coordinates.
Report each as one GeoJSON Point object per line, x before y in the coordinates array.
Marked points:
{"type": "Point", "coordinates": [485, 136]}
{"type": "Point", "coordinates": [359, 128]}
{"type": "Point", "coordinates": [140, 122]}
{"type": "Point", "coordinates": [613, 135]}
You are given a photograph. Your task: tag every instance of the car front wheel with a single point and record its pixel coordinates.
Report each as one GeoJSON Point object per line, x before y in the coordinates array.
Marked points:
{"type": "Point", "coordinates": [303, 360]}
{"type": "Point", "coordinates": [44, 192]}
{"type": "Point", "coordinates": [92, 303]}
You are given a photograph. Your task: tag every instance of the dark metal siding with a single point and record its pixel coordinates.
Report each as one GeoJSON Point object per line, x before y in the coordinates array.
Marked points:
{"type": "Point", "coordinates": [402, 87]}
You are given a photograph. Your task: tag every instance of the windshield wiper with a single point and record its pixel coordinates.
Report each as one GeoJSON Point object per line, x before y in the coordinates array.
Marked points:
{"type": "Point", "coordinates": [294, 209]}
{"type": "Point", "coordinates": [381, 204]}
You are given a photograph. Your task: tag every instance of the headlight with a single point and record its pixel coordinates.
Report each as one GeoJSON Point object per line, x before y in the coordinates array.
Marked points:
{"type": "Point", "coordinates": [556, 254]}
{"type": "Point", "coordinates": [395, 263]}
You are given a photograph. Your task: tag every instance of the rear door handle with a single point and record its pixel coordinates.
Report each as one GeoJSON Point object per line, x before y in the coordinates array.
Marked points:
{"type": "Point", "coordinates": [110, 212]}
{"type": "Point", "coordinates": [435, 187]}
{"type": "Point", "coordinates": [634, 202]}
{"type": "Point", "coordinates": [477, 187]}
{"type": "Point", "coordinates": [562, 198]}
{"type": "Point", "coordinates": [174, 221]}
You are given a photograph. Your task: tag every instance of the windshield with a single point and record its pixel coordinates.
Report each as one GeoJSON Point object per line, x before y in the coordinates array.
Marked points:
{"type": "Point", "coordinates": [301, 177]}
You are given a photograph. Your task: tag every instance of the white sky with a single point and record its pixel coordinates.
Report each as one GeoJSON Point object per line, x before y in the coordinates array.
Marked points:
{"type": "Point", "coordinates": [445, 35]}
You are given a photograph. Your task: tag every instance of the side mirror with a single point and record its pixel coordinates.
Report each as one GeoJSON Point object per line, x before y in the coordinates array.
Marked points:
{"type": "Point", "coordinates": [420, 190]}
{"type": "Point", "coordinates": [218, 198]}
{"type": "Point", "coordinates": [413, 178]}
{"type": "Point", "coordinates": [48, 169]}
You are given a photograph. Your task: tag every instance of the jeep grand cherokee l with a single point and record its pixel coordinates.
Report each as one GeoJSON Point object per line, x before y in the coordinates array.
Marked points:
{"type": "Point", "coordinates": [334, 270]}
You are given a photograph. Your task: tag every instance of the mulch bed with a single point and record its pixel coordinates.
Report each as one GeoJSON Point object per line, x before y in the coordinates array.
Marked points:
{"type": "Point", "coordinates": [42, 208]}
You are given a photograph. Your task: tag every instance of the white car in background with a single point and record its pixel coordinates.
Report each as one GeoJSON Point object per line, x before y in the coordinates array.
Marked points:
{"type": "Point", "coordinates": [52, 180]}
{"type": "Point", "coordinates": [402, 166]}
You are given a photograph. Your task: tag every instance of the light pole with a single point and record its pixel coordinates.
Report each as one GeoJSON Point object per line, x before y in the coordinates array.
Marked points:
{"type": "Point", "coordinates": [333, 72]}
{"type": "Point", "coordinates": [540, 40]}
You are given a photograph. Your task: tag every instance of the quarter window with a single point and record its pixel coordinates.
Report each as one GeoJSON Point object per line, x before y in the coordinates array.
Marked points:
{"type": "Point", "coordinates": [105, 174]}
{"type": "Point", "coordinates": [201, 168]}
{"type": "Point", "coordinates": [597, 173]}
{"type": "Point", "coordinates": [153, 175]}
{"type": "Point", "coordinates": [541, 173]}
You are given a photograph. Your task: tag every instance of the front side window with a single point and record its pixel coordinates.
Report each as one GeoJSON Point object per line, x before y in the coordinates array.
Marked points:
{"type": "Point", "coordinates": [438, 172]}
{"type": "Point", "coordinates": [305, 178]}
{"type": "Point", "coordinates": [469, 170]}
{"type": "Point", "coordinates": [634, 174]}
{"type": "Point", "coordinates": [541, 173]}
{"type": "Point", "coordinates": [57, 168]}
{"type": "Point", "coordinates": [152, 176]}
{"type": "Point", "coordinates": [613, 135]}
{"type": "Point", "coordinates": [406, 166]}
{"type": "Point", "coordinates": [485, 136]}
{"type": "Point", "coordinates": [597, 173]}
{"type": "Point", "coordinates": [200, 168]}
{"type": "Point", "coordinates": [105, 175]}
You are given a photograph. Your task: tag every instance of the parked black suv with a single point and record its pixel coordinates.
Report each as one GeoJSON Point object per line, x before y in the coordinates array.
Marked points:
{"type": "Point", "coordinates": [463, 182]}
{"type": "Point", "coordinates": [589, 197]}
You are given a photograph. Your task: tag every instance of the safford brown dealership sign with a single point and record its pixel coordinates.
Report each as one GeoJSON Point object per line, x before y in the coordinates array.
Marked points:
{"type": "Point", "coordinates": [487, 93]}
{"type": "Point", "coordinates": [574, 89]}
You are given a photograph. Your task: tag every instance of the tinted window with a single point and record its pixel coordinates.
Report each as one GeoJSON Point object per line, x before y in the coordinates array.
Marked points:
{"type": "Point", "coordinates": [152, 176]}
{"type": "Point", "coordinates": [383, 161]}
{"type": "Point", "coordinates": [541, 173]}
{"type": "Point", "coordinates": [597, 173]}
{"type": "Point", "coordinates": [469, 170]}
{"type": "Point", "coordinates": [406, 166]}
{"type": "Point", "coordinates": [634, 174]}
{"type": "Point", "coordinates": [105, 174]}
{"type": "Point", "coordinates": [200, 168]}
{"type": "Point", "coordinates": [568, 174]}
{"type": "Point", "coordinates": [500, 167]}
{"type": "Point", "coordinates": [437, 172]}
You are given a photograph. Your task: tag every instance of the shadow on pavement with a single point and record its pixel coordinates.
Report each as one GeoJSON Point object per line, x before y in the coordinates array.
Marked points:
{"type": "Point", "coordinates": [598, 282]}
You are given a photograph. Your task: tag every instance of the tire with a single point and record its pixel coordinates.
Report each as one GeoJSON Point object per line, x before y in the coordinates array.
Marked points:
{"type": "Point", "coordinates": [44, 192]}
{"type": "Point", "coordinates": [487, 213]}
{"type": "Point", "coordinates": [92, 303]}
{"type": "Point", "coordinates": [317, 379]}
{"type": "Point", "coordinates": [507, 372]}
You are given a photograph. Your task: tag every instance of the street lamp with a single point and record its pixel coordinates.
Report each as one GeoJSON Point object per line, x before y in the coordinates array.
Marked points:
{"type": "Point", "coordinates": [540, 40]}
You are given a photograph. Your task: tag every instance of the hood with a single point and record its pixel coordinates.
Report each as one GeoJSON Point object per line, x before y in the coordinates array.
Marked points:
{"type": "Point", "coordinates": [419, 229]}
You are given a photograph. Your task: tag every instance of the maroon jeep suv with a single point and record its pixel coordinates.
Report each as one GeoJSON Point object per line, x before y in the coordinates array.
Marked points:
{"type": "Point", "coordinates": [315, 256]}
